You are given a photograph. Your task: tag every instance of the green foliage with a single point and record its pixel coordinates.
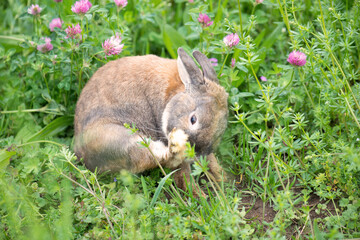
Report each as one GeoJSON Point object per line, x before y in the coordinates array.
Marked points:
{"type": "Point", "coordinates": [292, 141]}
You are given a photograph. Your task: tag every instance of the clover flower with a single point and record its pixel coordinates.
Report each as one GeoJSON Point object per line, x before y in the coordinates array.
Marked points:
{"type": "Point", "coordinates": [121, 3]}
{"type": "Point", "coordinates": [231, 40]}
{"type": "Point", "coordinates": [47, 46]}
{"type": "Point", "coordinates": [34, 9]}
{"type": "Point", "coordinates": [264, 79]}
{"type": "Point", "coordinates": [213, 61]}
{"type": "Point", "coordinates": [54, 59]}
{"type": "Point", "coordinates": [259, 1]}
{"type": "Point", "coordinates": [233, 61]}
{"type": "Point", "coordinates": [58, 1]}
{"type": "Point", "coordinates": [73, 32]}
{"type": "Point", "coordinates": [205, 20]}
{"type": "Point", "coordinates": [55, 23]}
{"type": "Point", "coordinates": [113, 46]}
{"type": "Point", "coordinates": [81, 7]}
{"type": "Point", "coordinates": [297, 58]}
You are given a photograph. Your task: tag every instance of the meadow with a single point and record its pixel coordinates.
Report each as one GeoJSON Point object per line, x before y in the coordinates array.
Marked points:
{"type": "Point", "coordinates": [291, 150]}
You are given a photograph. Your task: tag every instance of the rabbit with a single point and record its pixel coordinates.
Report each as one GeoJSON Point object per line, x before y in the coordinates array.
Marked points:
{"type": "Point", "coordinates": [170, 101]}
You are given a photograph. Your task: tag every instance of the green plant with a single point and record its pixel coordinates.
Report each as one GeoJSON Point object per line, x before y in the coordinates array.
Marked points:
{"type": "Point", "coordinates": [292, 143]}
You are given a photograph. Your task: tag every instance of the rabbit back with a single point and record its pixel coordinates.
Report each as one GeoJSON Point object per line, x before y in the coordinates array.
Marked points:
{"type": "Point", "coordinates": [129, 90]}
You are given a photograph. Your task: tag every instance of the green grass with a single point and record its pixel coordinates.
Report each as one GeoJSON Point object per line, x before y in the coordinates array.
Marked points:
{"type": "Point", "coordinates": [291, 149]}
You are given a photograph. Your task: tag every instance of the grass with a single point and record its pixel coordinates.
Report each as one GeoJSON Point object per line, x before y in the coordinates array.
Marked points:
{"type": "Point", "coordinates": [291, 149]}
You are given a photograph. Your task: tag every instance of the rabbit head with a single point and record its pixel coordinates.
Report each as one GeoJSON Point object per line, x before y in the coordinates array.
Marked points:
{"type": "Point", "coordinates": [201, 110]}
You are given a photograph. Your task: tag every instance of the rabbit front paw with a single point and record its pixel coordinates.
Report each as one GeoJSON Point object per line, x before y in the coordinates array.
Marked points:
{"type": "Point", "coordinates": [177, 147]}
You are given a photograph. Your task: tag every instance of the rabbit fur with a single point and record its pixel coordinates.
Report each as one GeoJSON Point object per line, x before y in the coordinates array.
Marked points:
{"type": "Point", "coordinates": [170, 101]}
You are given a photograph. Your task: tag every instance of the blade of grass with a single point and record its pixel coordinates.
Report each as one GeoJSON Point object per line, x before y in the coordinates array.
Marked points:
{"type": "Point", "coordinates": [160, 187]}
{"type": "Point", "coordinates": [172, 40]}
{"type": "Point", "coordinates": [53, 128]}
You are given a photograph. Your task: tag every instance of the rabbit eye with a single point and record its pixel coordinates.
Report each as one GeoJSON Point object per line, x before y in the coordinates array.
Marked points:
{"type": "Point", "coordinates": [193, 119]}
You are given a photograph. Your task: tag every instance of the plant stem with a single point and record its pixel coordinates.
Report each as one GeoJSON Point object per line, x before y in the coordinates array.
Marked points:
{"type": "Point", "coordinates": [35, 27]}
{"type": "Point", "coordinates": [287, 85]}
{"type": "Point", "coordinates": [266, 182]}
{"type": "Point", "coordinates": [240, 18]}
{"type": "Point", "coordinates": [25, 110]}
{"type": "Point", "coordinates": [41, 141]}
{"type": "Point", "coordinates": [12, 38]}
{"type": "Point", "coordinates": [350, 109]}
{"type": "Point", "coordinates": [87, 26]}
{"type": "Point", "coordinates": [285, 18]}
{"type": "Point", "coordinates": [82, 28]}
{"type": "Point", "coordinates": [277, 170]}
{"type": "Point", "coordinates": [46, 82]}
{"type": "Point", "coordinates": [322, 19]}
{"type": "Point", "coordinates": [71, 77]}
{"type": "Point", "coordinates": [306, 90]}
{"type": "Point", "coordinates": [58, 8]}
{"type": "Point", "coordinates": [222, 67]}
{"type": "Point", "coordinates": [80, 78]}
{"type": "Point", "coordinates": [118, 19]}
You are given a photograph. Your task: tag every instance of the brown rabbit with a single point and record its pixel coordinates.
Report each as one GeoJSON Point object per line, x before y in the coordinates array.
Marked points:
{"type": "Point", "coordinates": [169, 101]}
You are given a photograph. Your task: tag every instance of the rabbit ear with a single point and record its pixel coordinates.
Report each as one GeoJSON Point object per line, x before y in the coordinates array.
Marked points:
{"type": "Point", "coordinates": [206, 66]}
{"type": "Point", "coordinates": [189, 72]}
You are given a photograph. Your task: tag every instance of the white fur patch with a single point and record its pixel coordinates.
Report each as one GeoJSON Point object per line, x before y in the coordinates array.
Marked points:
{"type": "Point", "coordinates": [178, 140]}
{"type": "Point", "coordinates": [160, 151]}
{"type": "Point", "coordinates": [164, 120]}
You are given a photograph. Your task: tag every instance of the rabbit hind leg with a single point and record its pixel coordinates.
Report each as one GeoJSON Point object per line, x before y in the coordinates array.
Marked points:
{"type": "Point", "coordinates": [112, 147]}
